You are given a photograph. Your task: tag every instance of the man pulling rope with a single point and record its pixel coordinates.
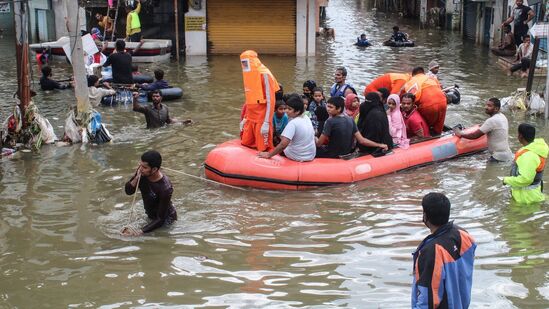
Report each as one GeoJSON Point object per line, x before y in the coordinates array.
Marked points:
{"type": "Point", "coordinates": [156, 190]}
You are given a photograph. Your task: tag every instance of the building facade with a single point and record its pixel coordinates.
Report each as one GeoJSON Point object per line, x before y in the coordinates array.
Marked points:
{"type": "Point", "coordinates": [482, 20]}
{"type": "Point", "coordinates": [268, 27]}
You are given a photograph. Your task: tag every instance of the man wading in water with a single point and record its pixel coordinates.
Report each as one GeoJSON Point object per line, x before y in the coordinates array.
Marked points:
{"type": "Point", "coordinates": [156, 190]}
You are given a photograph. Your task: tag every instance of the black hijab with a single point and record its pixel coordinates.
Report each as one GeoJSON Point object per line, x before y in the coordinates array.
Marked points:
{"type": "Point", "coordinates": [373, 123]}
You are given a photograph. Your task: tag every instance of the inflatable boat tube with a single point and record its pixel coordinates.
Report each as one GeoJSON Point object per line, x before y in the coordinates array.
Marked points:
{"type": "Point", "coordinates": [171, 93]}
{"type": "Point", "coordinates": [237, 165]}
{"type": "Point", "coordinates": [137, 79]}
{"type": "Point", "coordinates": [121, 97]}
{"type": "Point", "coordinates": [408, 43]}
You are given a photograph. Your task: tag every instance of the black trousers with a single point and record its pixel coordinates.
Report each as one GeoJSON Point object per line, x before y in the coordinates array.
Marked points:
{"type": "Point", "coordinates": [519, 31]}
{"type": "Point", "coordinates": [524, 65]}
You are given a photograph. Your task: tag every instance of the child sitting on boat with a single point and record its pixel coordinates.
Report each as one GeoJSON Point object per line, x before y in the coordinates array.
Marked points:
{"type": "Point", "coordinates": [317, 109]}
{"type": "Point", "coordinates": [280, 120]}
{"type": "Point", "coordinates": [159, 83]}
{"type": "Point", "coordinates": [339, 133]}
{"type": "Point", "coordinates": [305, 100]}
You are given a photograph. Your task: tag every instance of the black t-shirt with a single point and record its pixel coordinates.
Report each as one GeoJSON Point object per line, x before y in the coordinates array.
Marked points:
{"type": "Point", "coordinates": [121, 67]}
{"type": "Point", "coordinates": [50, 84]}
{"type": "Point", "coordinates": [157, 200]}
{"type": "Point", "coordinates": [341, 131]}
{"type": "Point", "coordinates": [520, 14]}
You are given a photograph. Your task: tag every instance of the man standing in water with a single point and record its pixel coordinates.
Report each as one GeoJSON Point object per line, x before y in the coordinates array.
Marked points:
{"type": "Point", "coordinates": [497, 129]}
{"type": "Point", "coordinates": [521, 16]}
{"type": "Point", "coordinates": [526, 178]}
{"type": "Point", "coordinates": [338, 89]}
{"type": "Point", "coordinates": [443, 262]}
{"type": "Point", "coordinates": [157, 114]}
{"type": "Point", "coordinates": [133, 23]}
{"type": "Point", "coordinates": [434, 67]}
{"type": "Point", "coordinates": [156, 191]}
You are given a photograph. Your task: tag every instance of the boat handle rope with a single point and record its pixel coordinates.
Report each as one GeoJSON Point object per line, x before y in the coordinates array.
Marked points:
{"type": "Point", "coordinates": [129, 226]}
{"type": "Point", "coordinates": [203, 179]}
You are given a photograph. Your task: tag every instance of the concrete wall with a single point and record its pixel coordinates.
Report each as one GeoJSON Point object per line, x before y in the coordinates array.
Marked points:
{"type": "Point", "coordinates": [196, 42]}
{"type": "Point", "coordinates": [453, 15]}
{"type": "Point", "coordinates": [42, 5]}
{"type": "Point", "coordinates": [306, 13]}
{"type": "Point", "coordinates": [6, 19]}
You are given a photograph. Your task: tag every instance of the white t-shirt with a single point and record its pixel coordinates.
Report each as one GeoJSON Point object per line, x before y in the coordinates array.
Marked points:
{"type": "Point", "coordinates": [497, 130]}
{"type": "Point", "coordinates": [301, 134]}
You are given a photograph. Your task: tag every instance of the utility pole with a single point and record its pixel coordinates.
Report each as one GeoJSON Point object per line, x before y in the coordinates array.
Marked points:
{"type": "Point", "coordinates": [77, 58]}
{"type": "Point", "coordinates": [176, 19]}
{"type": "Point", "coordinates": [21, 23]}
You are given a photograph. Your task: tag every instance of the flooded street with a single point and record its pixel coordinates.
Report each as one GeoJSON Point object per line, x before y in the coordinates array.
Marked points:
{"type": "Point", "coordinates": [346, 246]}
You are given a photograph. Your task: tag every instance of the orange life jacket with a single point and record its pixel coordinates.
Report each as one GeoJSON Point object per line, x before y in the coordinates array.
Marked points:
{"type": "Point", "coordinates": [417, 83]}
{"type": "Point", "coordinates": [259, 84]}
{"type": "Point", "coordinates": [541, 165]}
{"type": "Point", "coordinates": [538, 179]}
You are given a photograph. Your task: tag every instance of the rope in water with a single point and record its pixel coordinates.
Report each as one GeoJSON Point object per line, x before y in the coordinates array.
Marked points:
{"type": "Point", "coordinates": [132, 208]}
{"type": "Point", "coordinates": [203, 179]}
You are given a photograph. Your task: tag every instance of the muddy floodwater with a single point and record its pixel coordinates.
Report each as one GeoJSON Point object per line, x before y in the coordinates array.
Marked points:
{"type": "Point", "coordinates": [346, 246]}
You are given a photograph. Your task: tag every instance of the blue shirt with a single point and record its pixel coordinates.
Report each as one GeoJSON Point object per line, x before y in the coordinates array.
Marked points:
{"type": "Point", "coordinates": [280, 123]}
{"type": "Point", "coordinates": [157, 85]}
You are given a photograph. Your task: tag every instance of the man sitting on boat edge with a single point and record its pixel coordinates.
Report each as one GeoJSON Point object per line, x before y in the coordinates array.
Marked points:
{"type": "Point", "coordinates": [297, 140]}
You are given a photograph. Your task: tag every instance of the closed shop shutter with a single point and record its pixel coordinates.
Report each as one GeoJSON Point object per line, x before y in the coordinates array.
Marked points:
{"type": "Point", "coordinates": [266, 26]}
{"type": "Point", "coordinates": [470, 20]}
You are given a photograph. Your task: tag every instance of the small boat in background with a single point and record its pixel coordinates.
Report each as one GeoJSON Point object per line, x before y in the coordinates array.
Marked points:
{"type": "Point", "coordinates": [151, 51]}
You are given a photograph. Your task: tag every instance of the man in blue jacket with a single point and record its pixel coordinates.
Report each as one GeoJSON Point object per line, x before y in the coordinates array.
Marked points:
{"type": "Point", "coordinates": [443, 262]}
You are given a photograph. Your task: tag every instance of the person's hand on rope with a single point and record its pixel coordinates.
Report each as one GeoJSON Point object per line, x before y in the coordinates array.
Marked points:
{"type": "Point", "coordinates": [130, 231]}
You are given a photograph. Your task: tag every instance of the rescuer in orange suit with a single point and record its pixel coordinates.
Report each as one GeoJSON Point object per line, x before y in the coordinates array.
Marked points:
{"type": "Point", "coordinates": [391, 81]}
{"type": "Point", "coordinates": [430, 99]}
{"type": "Point", "coordinates": [259, 87]}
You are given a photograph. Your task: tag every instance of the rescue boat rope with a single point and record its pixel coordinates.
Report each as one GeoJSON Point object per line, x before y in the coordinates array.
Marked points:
{"type": "Point", "coordinates": [203, 179]}
{"type": "Point", "coordinates": [132, 208]}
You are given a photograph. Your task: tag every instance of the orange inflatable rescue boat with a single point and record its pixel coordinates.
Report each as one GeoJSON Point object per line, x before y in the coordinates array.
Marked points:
{"type": "Point", "coordinates": [237, 165]}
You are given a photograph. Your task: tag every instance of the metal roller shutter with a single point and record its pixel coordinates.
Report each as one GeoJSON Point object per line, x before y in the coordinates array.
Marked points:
{"type": "Point", "coordinates": [266, 26]}
{"type": "Point", "coordinates": [470, 20]}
